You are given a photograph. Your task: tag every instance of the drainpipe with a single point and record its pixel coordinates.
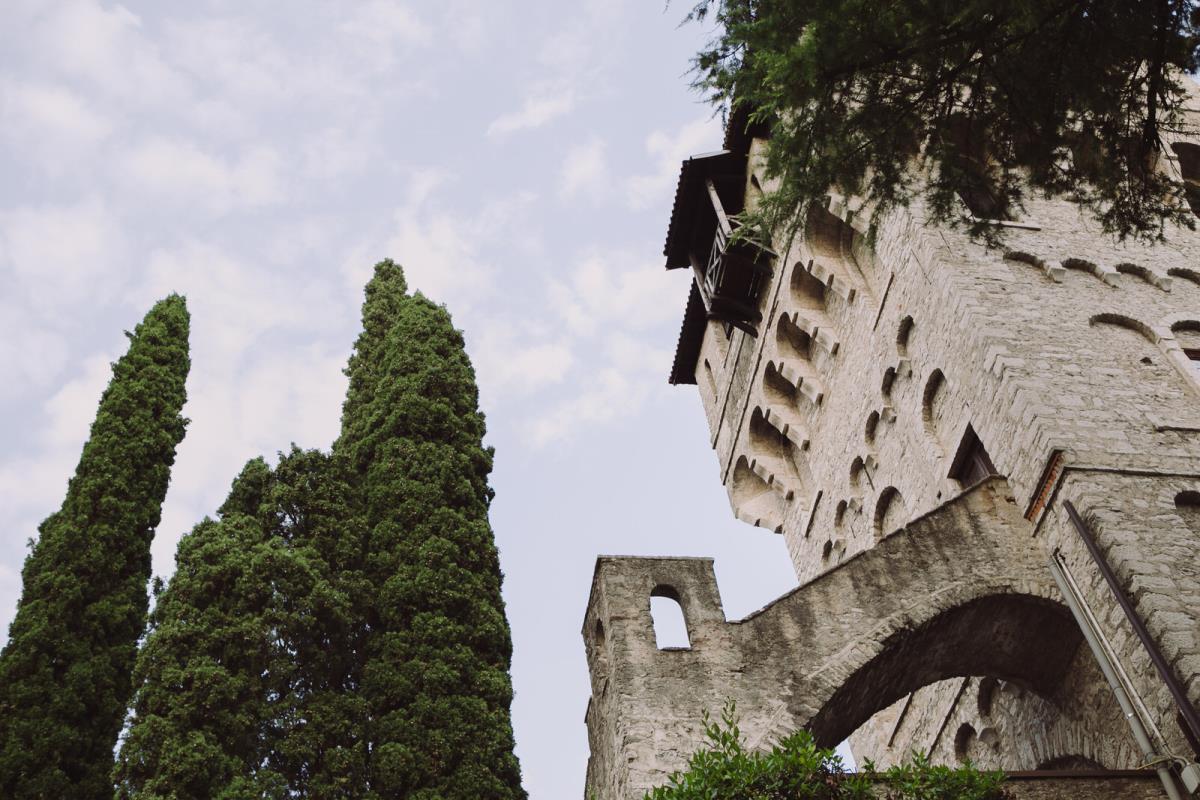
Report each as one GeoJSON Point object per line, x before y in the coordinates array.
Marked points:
{"type": "Point", "coordinates": [1076, 604]}
{"type": "Point", "coordinates": [1186, 709]}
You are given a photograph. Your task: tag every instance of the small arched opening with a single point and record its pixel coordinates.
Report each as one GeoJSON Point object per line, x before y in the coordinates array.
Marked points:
{"type": "Point", "coordinates": [890, 512]}
{"type": "Point", "coordinates": [1187, 506]}
{"type": "Point", "coordinates": [792, 341]}
{"type": "Point", "coordinates": [904, 336]}
{"type": "Point", "coordinates": [932, 399]}
{"type": "Point", "coordinates": [670, 623]}
{"type": "Point", "coordinates": [807, 292]}
{"type": "Point", "coordinates": [871, 427]}
{"type": "Point", "coordinates": [964, 737]}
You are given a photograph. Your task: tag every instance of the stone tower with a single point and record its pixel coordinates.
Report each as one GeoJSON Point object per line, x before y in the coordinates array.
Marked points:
{"type": "Point", "coordinates": [921, 419]}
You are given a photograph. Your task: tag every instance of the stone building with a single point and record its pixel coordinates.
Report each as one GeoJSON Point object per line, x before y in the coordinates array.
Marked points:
{"type": "Point", "coordinates": [916, 418]}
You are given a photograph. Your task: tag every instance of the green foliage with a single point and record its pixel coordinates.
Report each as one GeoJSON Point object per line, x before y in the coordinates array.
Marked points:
{"type": "Point", "coordinates": [996, 97]}
{"type": "Point", "coordinates": [339, 632]}
{"type": "Point", "coordinates": [65, 673]}
{"type": "Point", "coordinates": [435, 669]}
{"type": "Point", "coordinates": [796, 768]}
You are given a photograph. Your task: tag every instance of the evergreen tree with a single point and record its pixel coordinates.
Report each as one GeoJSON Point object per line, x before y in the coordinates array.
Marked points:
{"type": "Point", "coordinates": [65, 672]}
{"type": "Point", "coordinates": [438, 647]}
{"type": "Point", "coordinates": [1067, 97]}
{"type": "Point", "coordinates": [241, 684]}
{"type": "Point", "coordinates": [339, 632]}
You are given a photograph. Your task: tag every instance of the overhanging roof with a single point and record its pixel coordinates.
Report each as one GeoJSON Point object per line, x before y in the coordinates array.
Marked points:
{"type": "Point", "coordinates": [691, 335]}
{"type": "Point", "coordinates": [691, 199]}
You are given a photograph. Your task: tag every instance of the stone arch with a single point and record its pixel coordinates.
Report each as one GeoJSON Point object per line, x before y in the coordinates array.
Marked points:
{"type": "Point", "coordinates": [1143, 273]}
{"type": "Point", "coordinates": [1122, 321]}
{"type": "Point", "coordinates": [1025, 638]}
{"type": "Point", "coordinates": [1183, 273]}
{"type": "Point", "coordinates": [1089, 267]}
{"type": "Point", "coordinates": [857, 468]}
{"type": "Point", "coordinates": [778, 390]}
{"type": "Point", "coordinates": [889, 380]}
{"type": "Point", "coordinates": [754, 501]}
{"type": "Point", "coordinates": [904, 336]}
{"type": "Point", "coordinates": [1052, 271]}
{"type": "Point", "coordinates": [772, 455]}
{"type": "Point", "coordinates": [792, 341]}
{"type": "Point", "coordinates": [837, 246]}
{"type": "Point", "coordinates": [806, 290]}
{"type": "Point", "coordinates": [890, 512]}
{"type": "Point", "coordinates": [871, 427]}
{"type": "Point", "coordinates": [986, 696]}
{"type": "Point", "coordinates": [932, 400]}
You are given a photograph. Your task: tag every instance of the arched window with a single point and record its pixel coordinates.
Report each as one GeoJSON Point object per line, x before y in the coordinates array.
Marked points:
{"type": "Point", "coordinates": [1187, 506]}
{"type": "Point", "coordinates": [931, 401]}
{"type": "Point", "coordinates": [890, 512]}
{"type": "Point", "coordinates": [964, 737]}
{"type": "Point", "coordinates": [670, 625]}
{"type": "Point", "coordinates": [903, 336]}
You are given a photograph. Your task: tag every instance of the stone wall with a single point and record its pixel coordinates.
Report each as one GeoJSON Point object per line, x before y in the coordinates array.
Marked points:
{"type": "Point", "coordinates": [1063, 353]}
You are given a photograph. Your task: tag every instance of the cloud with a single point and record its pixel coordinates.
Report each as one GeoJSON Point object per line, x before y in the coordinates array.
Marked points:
{"type": "Point", "coordinates": [537, 110]}
{"type": "Point", "coordinates": [585, 169]}
{"type": "Point", "coordinates": [180, 171]}
{"type": "Point", "coordinates": [608, 309]}
{"type": "Point", "coordinates": [668, 151]}
{"type": "Point", "coordinates": [387, 22]}
{"type": "Point", "coordinates": [601, 293]}
{"type": "Point", "coordinates": [52, 122]}
{"type": "Point", "coordinates": [446, 256]}
{"type": "Point", "coordinates": [58, 257]}
{"type": "Point", "coordinates": [609, 394]}
{"type": "Point", "coordinates": [265, 370]}
{"type": "Point", "coordinates": [511, 361]}
{"type": "Point", "coordinates": [32, 353]}
{"type": "Point", "coordinates": [108, 49]}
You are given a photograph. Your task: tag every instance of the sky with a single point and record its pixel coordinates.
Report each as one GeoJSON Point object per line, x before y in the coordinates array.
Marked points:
{"type": "Point", "coordinates": [519, 159]}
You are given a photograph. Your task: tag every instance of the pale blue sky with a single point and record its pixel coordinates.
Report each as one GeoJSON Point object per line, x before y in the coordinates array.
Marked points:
{"type": "Point", "coordinates": [518, 158]}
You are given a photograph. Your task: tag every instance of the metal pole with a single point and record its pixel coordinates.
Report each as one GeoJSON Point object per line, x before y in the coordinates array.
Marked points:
{"type": "Point", "coordinates": [1186, 709]}
{"type": "Point", "coordinates": [1161, 763]}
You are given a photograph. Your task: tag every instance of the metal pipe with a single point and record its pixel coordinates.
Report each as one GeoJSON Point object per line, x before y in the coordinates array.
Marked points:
{"type": "Point", "coordinates": [1152, 756]}
{"type": "Point", "coordinates": [1186, 709]}
{"type": "Point", "coordinates": [1111, 653]}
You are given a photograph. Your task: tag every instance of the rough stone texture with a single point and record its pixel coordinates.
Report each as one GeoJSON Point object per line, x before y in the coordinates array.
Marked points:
{"type": "Point", "coordinates": [840, 422]}
{"type": "Point", "coordinates": [928, 602]}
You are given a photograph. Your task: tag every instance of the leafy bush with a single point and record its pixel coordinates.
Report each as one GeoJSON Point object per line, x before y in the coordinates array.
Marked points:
{"type": "Point", "coordinates": [796, 768]}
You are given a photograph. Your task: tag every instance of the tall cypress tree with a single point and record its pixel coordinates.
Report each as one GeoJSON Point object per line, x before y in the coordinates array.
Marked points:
{"type": "Point", "coordinates": [435, 663]}
{"type": "Point", "coordinates": [339, 632]}
{"type": "Point", "coordinates": [65, 672]}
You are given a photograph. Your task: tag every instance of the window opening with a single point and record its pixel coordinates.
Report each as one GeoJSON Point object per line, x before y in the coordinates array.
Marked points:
{"type": "Point", "coordinates": [971, 463]}
{"type": "Point", "coordinates": [670, 625]}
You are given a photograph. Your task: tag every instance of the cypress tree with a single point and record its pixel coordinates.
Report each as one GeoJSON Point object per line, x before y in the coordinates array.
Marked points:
{"type": "Point", "coordinates": [242, 687]}
{"type": "Point", "coordinates": [339, 632]}
{"type": "Point", "coordinates": [65, 672]}
{"type": "Point", "coordinates": [435, 662]}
